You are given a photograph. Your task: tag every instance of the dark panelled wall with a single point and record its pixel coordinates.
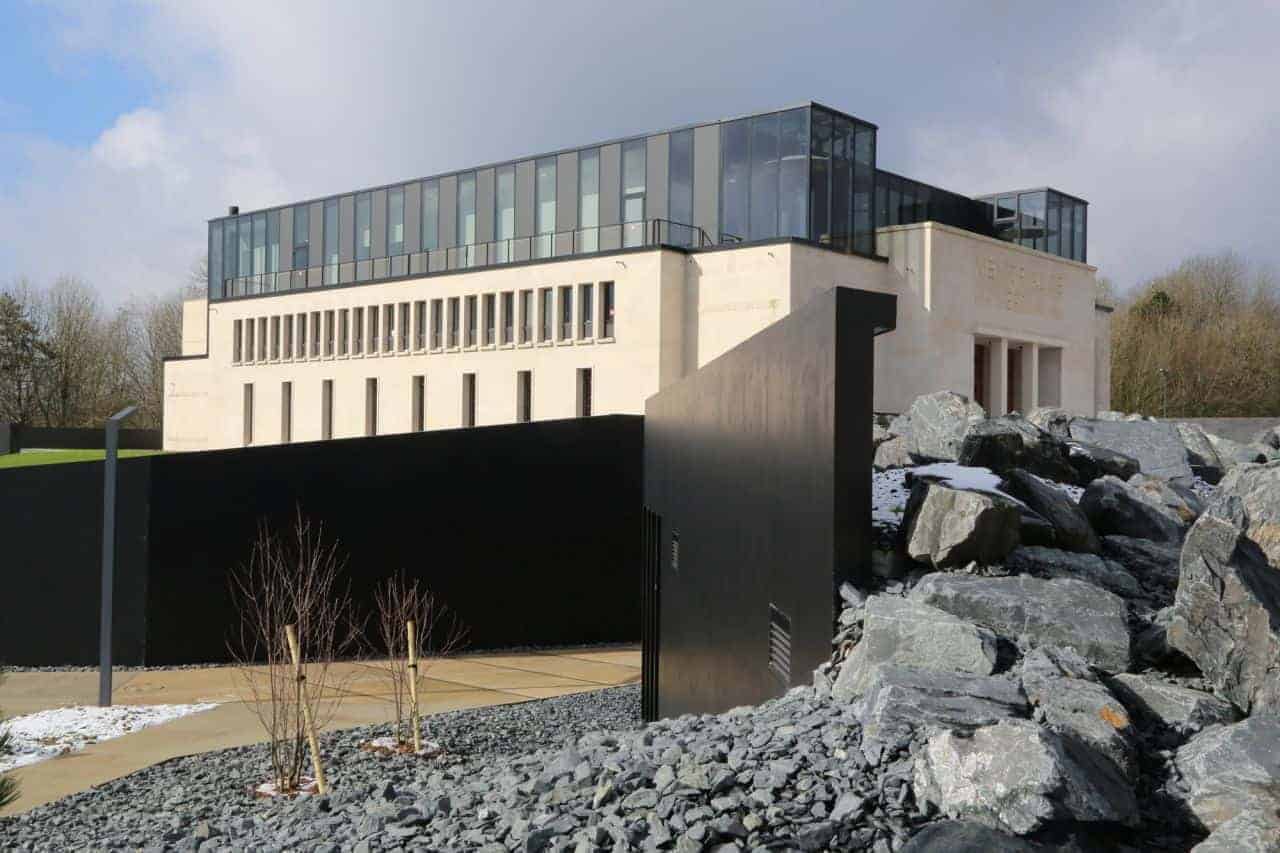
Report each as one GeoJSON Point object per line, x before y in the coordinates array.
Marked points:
{"type": "Point", "coordinates": [51, 563]}
{"type": "Point", "coordinates": [758, 468]}
{"type": "Point", "coordinates": [530, 531]}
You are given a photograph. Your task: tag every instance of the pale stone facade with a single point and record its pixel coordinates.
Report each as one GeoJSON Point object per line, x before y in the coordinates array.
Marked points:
{"type": "Point", "coordinates": [1012, 326]}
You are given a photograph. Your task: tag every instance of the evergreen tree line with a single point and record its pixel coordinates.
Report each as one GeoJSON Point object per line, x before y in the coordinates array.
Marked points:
{"type": "Point", "coordinates": [1200, 341]}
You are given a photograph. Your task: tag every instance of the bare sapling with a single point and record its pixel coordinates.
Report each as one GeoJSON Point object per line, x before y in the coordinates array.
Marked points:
{"type": "Point", "coordinates": [296, 620]}
{"type": "Point", "coordinates": [416, 629]}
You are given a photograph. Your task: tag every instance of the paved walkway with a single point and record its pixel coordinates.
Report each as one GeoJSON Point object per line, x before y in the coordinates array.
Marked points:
{"type": "Point", "coordinates": [467, 681]}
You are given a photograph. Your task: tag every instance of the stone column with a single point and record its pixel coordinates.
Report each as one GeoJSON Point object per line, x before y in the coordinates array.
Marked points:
{"type": "Point", "coordinates": [1030, 390]}
{"type": "Point", "coordinates": [998, 376]}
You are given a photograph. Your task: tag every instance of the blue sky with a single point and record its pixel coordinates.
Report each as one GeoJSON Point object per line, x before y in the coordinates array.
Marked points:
{"type": "Point", "coordinates": [125, 124]}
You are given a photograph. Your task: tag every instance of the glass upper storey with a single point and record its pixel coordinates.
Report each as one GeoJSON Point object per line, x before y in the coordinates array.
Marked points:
{"type": "Point", "coordinates": [807, 172]}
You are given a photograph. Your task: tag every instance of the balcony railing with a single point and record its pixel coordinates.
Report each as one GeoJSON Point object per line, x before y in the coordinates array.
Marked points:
{"type": "Point", "coordinates": [560, 244]}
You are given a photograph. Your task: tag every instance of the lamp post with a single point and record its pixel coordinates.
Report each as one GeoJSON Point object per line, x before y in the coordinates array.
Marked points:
{"type": "Point", "coordinates": [109, 552]}
{"type": "Point", "coordinates": [1164, 384]}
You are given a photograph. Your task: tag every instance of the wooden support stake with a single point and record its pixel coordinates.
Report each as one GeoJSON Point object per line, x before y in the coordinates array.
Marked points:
{"type": "Point", "coordinates": [317, 768]}
{"type": "Point", "coordinates": [413, 686]}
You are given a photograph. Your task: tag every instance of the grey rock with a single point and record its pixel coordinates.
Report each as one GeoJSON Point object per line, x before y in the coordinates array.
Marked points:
{"type": "Point", "coordinates": [1085, 709]}
{"type": "Point", "coordinates": [900, 701]}
{"type": "Point", "coordinates": [1012, 442]}
{"type": "Point", "coordinates": [1250, 497]}
{"type": "Point", "coordinates": [1155, 564]}
{"type": "Point", "coordinates": [1072, 531]}
{"type": "Point", "coordinates": [1053, 563]}
{"type": "Point", "coordinates": [1247, 832]}
{"type": "Point", "coordinates": [1202, 456]}
{"type": "Point", "coordinates": [1036, 612]}
{"type": "Point", "coordinates": [848, 807]}
{"type": "Point", "coordinates": [1150, 646]}
{"type": "Point", "coordinates": [1180, 708]}
{"type": "Point", "coordinates": [1157, 446]}
{"type": "Point", "coordinates": [908, 633]}
{"type": "Point", "coordinates": [1055, 421]}
{"type": "Point", "coordinates": [1178, 500]}
{"type": "Point", "coordinates": [894, 452]}
{"type": "Point", "coordinates": [1229, 770]}
{"type": "Point", "coordinates": [1053, 777]}
{"type": "Point", "coordinates": [1269, 437]}
{"type": "Point", "coordinates": [1115, 507]}
{"type": "Point", "coordinates": [1227, 614]}
{"type": "Point", "coordinates": [949, 527]}
{"type": "Point", "coordinates": [641, 798]}
{"type": "Point", "coordinates": [1233, 453]}
{"type": "Point", "coordinates": [1090, 462]}
{"type": "Point", "coordinates": [935, 425]}
{"type": "Point", "coordinates": [963, 836]}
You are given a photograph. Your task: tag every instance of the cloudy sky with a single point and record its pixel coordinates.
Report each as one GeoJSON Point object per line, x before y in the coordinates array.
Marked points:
{"type": "Point", "coordinates": [125, 125]}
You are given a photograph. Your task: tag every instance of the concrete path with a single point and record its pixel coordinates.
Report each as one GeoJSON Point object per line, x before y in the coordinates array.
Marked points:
{"type": "Point", "coordinates": [467, 681]}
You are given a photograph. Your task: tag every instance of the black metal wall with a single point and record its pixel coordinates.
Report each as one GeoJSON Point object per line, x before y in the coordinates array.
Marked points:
{"type": "Point", "coordinates": [758, 473]}
{"type": "Point", "coordinates": [530, 532]}
{"type": "Point", "coordinates": [51, 563]}
{"type": "Point", "coordinates": [88, 438]}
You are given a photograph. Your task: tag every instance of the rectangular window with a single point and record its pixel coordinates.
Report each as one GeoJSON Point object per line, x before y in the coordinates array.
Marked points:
{"type": "Point", "coordinates": [275, 338]}
{"type": "Point", "coordinates": [584, 392]}
{"type": "Point", "coordinates": [302, 336]}
{"type": "Point", "coordinates": [273, 245]}
{"type": "Point", "coordinates": [735, 173]}
{"type": "Point", "coordinates": [262, 339]}
{"type": "Point", "coordinates": [467, 217]}
{"type": "Point", "coordinates": [526, 316]}
{"type": "Point", "coordinates": [508, 317]}
{"type": "Point", "coordinates": [343, 330]}
{"type": "Point", "coordinates": [246, 247]}
{"type": "Point", "coordinates": [606, 308]}
{"type": "Point", "coordinates": [371, 406]}
{"type": "Point", "coordinates": [453, 322]}
{"type": "Point", "coordinates": [248, 413]}
{"type": "Point", "coordinates": [430, 216]}
{"type": "Point", "coordinates": [633, 182]}
{"type": "Point", "coordinates": [215, 261]}
{"type": "Point", "coordinates": [326, 409]}
{"type": "Point", "coordinates": [588, 237]}
{"type": "Point", "coordinates": [331, 241]}
{"type": "Point", "coordinates": [328, 333]}
{"type": "Point", "coordinates": [680, 187]}
{"type": "Point", "coordinates": [286, 412]}
{"type": "Point", "coordinates": [793, 174]}
{"type": "Point", "coordinates": [388, 328]}
{"type": "Point", "coordinates": [357, 331]}
{"type": "Point", "coordinates": [544, 207]}
{"type": "Point", "coordinates": [287, 348]}
{"type": "Point", "coordinates": [301, 237]}
{"type": "Point", "coordinates": [237, 341]}
{"type": "Point", "coordinates": [820, 176]}
{"type": "Point", "coordinates": [229, 264]}
{"type": "Point", "coordinates": [472, 321]}
{"type": "Point", "coordinates": [395, 221]}
{"type": "Point", "coordinates": [566, 313]}
{"type": "Point", "coordinates": [402, 328]}
{"type": "Point", "coordinates": [420, 324]}
{"type": "Point", "coordinates": [524, 396]}
{"type": "Point", "coordinates": [249, 352]}
{"type": "Point", "coordinates": [468, 399]}
{"type": "Point", "coordinates": [315, 334]}
{"type": "Point", "coordinates": [364, 226]}
{"type": "Point", "coordinates": [373, 329]}
{"type": "Point", "coordinates": [548, 315]}
{"type": "Point", "coordinates": [490, 322]}
{"type": "Point", "coordinates": [418, 404]}
{"type": "Point", "coordinates": [586, 319]}
{"type": "Point", "coordinates": [259, 243]}
{"type": "Point", "coordinates": [764, 177]}
{"type": "Point", "coordinates": [504, 213]}
{"type": "Point", "coordinates": [437, 323]}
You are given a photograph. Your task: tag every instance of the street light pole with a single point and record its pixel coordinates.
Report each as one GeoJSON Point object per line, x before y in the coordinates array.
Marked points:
{"type": "Point", "coordinates": [109, 552]}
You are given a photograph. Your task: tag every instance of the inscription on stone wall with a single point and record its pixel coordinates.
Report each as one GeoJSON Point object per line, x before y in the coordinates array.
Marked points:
{"type": "Point", "coordinates": [1020, 289]}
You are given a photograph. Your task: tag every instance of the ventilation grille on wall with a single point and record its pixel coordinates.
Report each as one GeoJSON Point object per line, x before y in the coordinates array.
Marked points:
{"type": "Point", "coordinates": [780, 644]}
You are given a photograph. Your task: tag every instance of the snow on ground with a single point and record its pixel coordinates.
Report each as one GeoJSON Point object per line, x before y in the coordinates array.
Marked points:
{"type": "Point", "coordinates": [889, 491]}
{"type": "Point", "coordinates": [47, 734]}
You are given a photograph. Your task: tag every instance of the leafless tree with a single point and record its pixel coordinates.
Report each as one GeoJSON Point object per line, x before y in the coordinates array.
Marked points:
{"type": "Point", "coordinates": [293, 579]}
{"type": "Point", "coordinates": [437, 633]}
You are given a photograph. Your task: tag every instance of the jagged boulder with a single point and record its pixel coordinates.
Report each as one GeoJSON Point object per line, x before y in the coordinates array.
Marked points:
{"type": "Point", "coordinates": [1176, 499]}
{"type": "Point", "coordinates": [1157, 446]}
{"type": "Point", "coordinates": [1054, 563]}
{"type": "Point", "coordinates": [1233, 453]}
{"type": "Point", "coordinates": [1180, 708]}
{"type": "Point", "coordinates": [935, 425]}
{"type": "Point", "coordinates": [1036, 612]}
{"type": "Point", "coordinates": [1232, 770]}
{"type": "Point", "coordinates": [893, 452]}
{"type": "Point", "coordinates": [1114, 507]}
{"type": "Point", "coordinates": [1227, 614]}
{"type": "Point", "coordinates": [1090, 462]}
{"type": "Point", "coordinates": [1247, 831]}
{"type": "Point", "coordinates": [1154, 564]}
{"type": "Point", "coordinates": [951, 527]}
{"type": "Point", "coordinates": [1269, 437]}
{"type": "Point", "coordinates": [1072, 531]}
{"type": "Point", "coordinates": [1055, 421]}
{"type": "Point", "coordinates": [1010, 441]}
{"type": "Point", "coordinates": [1201, 454]}
{"type": "Point", "coordinates": [963, 836]}
{"type": "Point", "coordinates": [898, 631]}
{"type": "Point", "coordinates": [1017, 776]}
{"type": "Point", "coordinates": [1250, 497]}
{"type": "Point", "coordinates": [900, 701]}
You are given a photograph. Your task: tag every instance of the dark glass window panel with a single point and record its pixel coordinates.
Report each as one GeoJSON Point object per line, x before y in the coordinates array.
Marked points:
{"type": "Point", "coordinates": [430, 216]}
{"type": "Point", "coordinates": [680, 172]}
{"type": "Point", "coordinates": [1054, 225]}
{"type": "Point", "coordinates": [1006, 207]}
{"type": "Point", "coordinates": [230, 265]}
{"type": "Point", "coordinates": [763, 213]}
{"type": "Point", "coordinates": [1079, 251]}
{"type": "Point", "coordinates": [215, 260]}
{"type": "Point", "coordinates": [820, 177]}
{"type": "Point", "coordinates": [1067, 224]}
{"type": "Point", "coordinates": [301, 237]}
{"type": "Point", "coordinates": [841, 180]}
{"type": "Point", "coordinates": [364, 226]}
{"type": "Point", "coordinates": [793, 173]}
{"type": "Point", "coordinates": [735, 177]}
{"type": "Point", "coordinates": [395, 221]}
{"type": "Point", "coordinates": [273, 241]}
{"type": "Point", "coordinates": [864, 177]}
{"type": "Point", "coordinates": [331, 241]}
{"type": "Point", "coordinates": [259, 243]}
{"type": "Point", "coordinates": [246, 246]}
{"type": "Point", "coordinates": [1031, 213]}
{"type": "Point", "coordinates": [895, 201]}
{"type": "Point", "coordinates": [466, 209]}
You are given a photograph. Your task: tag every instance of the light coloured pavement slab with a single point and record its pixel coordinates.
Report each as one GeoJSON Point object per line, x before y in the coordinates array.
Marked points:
{"type": "Point", "coordinates": [467, 681]}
